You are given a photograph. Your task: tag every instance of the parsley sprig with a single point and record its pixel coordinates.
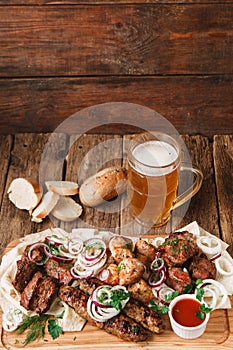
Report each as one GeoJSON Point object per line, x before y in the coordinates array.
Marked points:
{"type": "Point", "coordinates": [36, 325]}
{"type": "Point", "coordinates": [117, 296]}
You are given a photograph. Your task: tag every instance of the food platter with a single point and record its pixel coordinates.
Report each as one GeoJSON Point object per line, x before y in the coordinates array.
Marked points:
{"type": "Point", "coordinates": [218, 335]}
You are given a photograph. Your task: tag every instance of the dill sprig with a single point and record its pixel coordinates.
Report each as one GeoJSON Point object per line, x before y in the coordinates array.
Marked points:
{"type": "Point", "coordinates": [35, 326]}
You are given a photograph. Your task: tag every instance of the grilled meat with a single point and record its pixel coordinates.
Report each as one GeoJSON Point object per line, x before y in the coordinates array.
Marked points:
{"type": "Point", "coordinates": [113, 278]}
{"type": "Point", "coordinates": [120, 248]}
{"type": "Point", "coordinates": [178, 279]}
{"type": "Point", "coordinates": [202, 268]}
{"type": "Point", "coordinates": [178, 248]}
{"type": "Point", "coordinates": [59, 271]}
{"type": "Point", "coordinates": [144, 252]}
{"type": "Point", "coordinates": [120, 325]}
{"type": "Point", "coordinates": [130, 271]}
{"type": "Point", "coordinates": [46, 294]}
{"type": "Point", "coordinates": [26, 268]}
{"type": "Point", "coordinates": [141, 291]}
{"type": "Point", "coordinates": [142, 314]}
{"type": "Point", "coordinates": [39, 293]}
{"type": "Point", "coordinates": [30, 293]}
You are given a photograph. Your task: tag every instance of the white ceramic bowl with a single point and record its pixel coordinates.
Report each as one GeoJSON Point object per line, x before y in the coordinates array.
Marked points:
{"type": "Point", "coordinates": [184, 331]}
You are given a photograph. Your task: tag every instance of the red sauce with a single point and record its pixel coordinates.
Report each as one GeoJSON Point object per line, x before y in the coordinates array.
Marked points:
{"type": "Point", "coordinates": [184, 312]}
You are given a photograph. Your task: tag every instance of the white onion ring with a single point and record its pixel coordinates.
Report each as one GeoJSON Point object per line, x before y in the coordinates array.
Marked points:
{"type": "Point", "coordinates": [224, 266]}
{"type": "Point", "coordinates": [219, 289]}
{"type": "Point", "coordinates": [209, 245]}
{"type": "Point", "coordinates": [162, 292]}
{"type": "Point", "coordinates": [46, 251]}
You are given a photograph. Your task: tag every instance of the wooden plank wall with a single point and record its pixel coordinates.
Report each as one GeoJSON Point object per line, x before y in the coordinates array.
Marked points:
{"type": "Point", "coordinates": [173, 56]}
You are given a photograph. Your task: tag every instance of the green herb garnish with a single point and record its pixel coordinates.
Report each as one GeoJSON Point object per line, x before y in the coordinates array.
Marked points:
{"type": "Point", "coordinates": [203, 310]}
{"type": "Point", "coordinates": [117, 296]}
{"type": "Point", "coordinates": [160, 309]}
{"type": "Point", "coordinates": [35, 326]}
{"type": "Point", "coordinates": [170, 296]}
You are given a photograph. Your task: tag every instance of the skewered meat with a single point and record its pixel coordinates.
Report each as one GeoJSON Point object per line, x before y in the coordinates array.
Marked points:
{"type": "Point", "coordinates": [178, 279]}
{"type": "Point", "coordinates": [130, 271]}
{"type": "Point", "coordinates": [202, 268]}
{"type": "Point", "coordinates": [144, 252]}
{"type": "Point", "coordinates": [120, 325]}
{"type": "Point", "coordinates": [59, 271]}
{"type": "Point", "coordinates": [141, 291]}
{"type": "Point", "coordinates": [178, 248]}
{"type": "Point", "coordinates": [134, 309]}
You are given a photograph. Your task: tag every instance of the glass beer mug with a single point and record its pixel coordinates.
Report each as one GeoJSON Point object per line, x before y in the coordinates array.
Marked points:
{"type": "Point", "coordinates": [154, 164]}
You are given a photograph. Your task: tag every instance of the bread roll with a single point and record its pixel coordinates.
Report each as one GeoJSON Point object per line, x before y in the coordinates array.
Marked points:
{"type": "Point", "coordinates": [67, 209]}
{"type": "Point", "coordinates": [25, 193]}
{"type": "Point", "coordinates": [48, 202]}
{"type": "Point", "coordinates": [104, 185]}
{"type": "Point", "coordinates": [64, 188]}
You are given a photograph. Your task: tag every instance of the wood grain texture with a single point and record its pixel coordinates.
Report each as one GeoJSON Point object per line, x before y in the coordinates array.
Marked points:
{"type": "Point", "coordinates": [100, 2]}
{"type": "Point", "coordinates": [193, 104]}
{"type": "Point", "coordinates": [223, 161]}
{"type": "Point", "coordinates": [118, 39]}
{"type": "Point", "coordinates": [5, 149]}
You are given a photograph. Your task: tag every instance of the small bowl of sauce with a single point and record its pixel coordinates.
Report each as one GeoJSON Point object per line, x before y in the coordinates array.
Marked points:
{"type": "Point", "coordinates": [183, 315]}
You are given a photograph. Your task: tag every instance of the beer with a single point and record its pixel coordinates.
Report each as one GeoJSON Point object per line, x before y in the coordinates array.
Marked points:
{"type": "Point", "coordinates": [153, 181]}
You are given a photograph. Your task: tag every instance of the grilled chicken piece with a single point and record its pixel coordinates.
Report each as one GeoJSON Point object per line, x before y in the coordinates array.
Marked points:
{"type": "Point", "coordinates": [141, 291]}
{"type": "Point", "coordinates": [130, 271]}
{"type": "Point", "coordinates": [144, 252]}
{"type": "Point", "coordinates": [134, 309]}
{"type": "Point", "coordinates": [120, 248]}
{"type": "Point", "coordinates": [202, 268]}
{"type": "Point", "coordinates": [113, 278]}
{"type": "Point", "coordinates": [178, 248]}
{"type": "Point", "coordinates": [120, 325]}
{"type": "Point", "coordinates": [178, 279]}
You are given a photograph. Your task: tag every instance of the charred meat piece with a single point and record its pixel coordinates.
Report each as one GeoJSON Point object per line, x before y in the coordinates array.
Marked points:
{"type": "Point", "coordinates": [134, 309]}
{"type": "Point", "coordinates": [29, 295]}
{"type": "Point", "coordinates": [144, 252]}
{"type": "Point", "coordinates": [178, 279]}
{"type": "Point", "coordinates": [130, 271]}
{"type": "Point", "coordinates": [59, 271]}
{"type": "Point", "coordinates": [178, 248]}
{"type": "Point", "coordinates": [141, 291]}
{"type": "Point", "coordinates": [120, 325]}
{"type": "Point", "coordinates": [202, 268]}
{"type": "Point", "coordinates": [27, 267]}
{"type": "Point", "coordinates": [39, 293]}
{"type": "Point", "coordinates": [47, 292]}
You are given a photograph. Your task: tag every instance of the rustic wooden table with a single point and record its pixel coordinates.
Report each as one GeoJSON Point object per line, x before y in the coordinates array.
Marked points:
{"type": "Point", "coordinates": [211, 207]}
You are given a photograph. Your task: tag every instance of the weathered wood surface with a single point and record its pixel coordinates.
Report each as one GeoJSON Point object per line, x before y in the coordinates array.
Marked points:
{"type": "Point", "coordinates": [116, 40]}
{"type": "Point", "coordinates": [193, 104]}
{"type": "Point", "coordinates": [175, 57]}
{"type": "Point", "coordinates": [211, 207]}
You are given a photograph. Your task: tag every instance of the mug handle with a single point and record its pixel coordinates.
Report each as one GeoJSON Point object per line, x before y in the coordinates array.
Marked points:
{"type": "Point", "coordinates": [192, 190]}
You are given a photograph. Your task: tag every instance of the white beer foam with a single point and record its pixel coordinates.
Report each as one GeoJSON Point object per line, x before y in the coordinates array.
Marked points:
{"type": "Point", "coordinates": [152, 157]}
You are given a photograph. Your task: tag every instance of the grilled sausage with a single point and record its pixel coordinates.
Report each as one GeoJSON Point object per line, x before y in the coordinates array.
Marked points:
{"type": "Point", "coordinates": [140, 313]}
{"type": "Point", "coordinates": [120, 325]}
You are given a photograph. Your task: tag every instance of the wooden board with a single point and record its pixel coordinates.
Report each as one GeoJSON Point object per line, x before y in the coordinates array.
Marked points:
{"type": "Point", "coordinates": [218, 335]}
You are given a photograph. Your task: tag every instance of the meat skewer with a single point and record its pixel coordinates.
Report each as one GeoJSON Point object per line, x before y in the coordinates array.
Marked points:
{"type": "Point", "coordinates": [120, 325]}
{"type": "Point", "coordinates": [134, 309]}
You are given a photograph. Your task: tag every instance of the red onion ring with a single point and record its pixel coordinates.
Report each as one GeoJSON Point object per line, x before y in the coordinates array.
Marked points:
{"type": "Point", "coordinates": [37, 245]}
{"type": "Point", "coordinates": [160, 278]}
{"type": "Point", "coordinates": [216, 256]}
